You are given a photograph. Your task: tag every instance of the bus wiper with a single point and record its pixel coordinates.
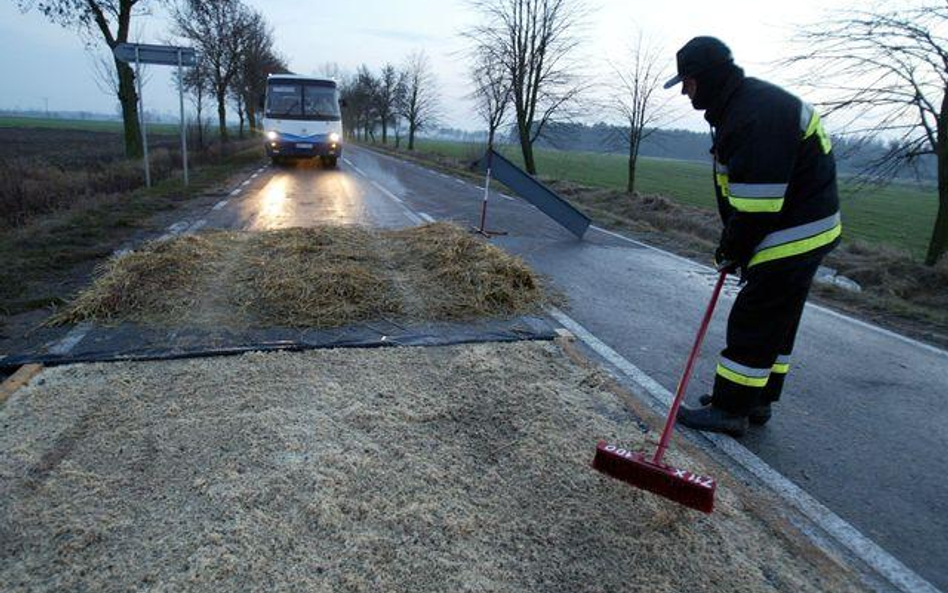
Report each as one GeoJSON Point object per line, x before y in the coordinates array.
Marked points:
{"type": "Point", "coordinates": [289, 110]}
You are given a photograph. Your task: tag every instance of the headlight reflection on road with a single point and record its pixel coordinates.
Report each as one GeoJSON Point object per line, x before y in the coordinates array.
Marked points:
{"type": "Point", "coordinates": [344, 201]}
{"type": "Point", "coordinates": [273, 205]}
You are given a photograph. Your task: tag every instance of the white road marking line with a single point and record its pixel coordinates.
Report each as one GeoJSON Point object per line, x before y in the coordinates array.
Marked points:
{"type": "Point", "coordinates": [386, 192]}
{"type": "Point", "coordinates": [197, 226]}
{"type": "Point", "coordinates": [506, 197]}
{"type": "Point", "coordinates": [247, 182]}
{"type": "Point", "coordinates": [843, 533]}
{"type": "Point", "coordinates": [412, 216]}
{"type": "Point", "coordinates": [69, 341]}
{"type": "Point", "coordinates": [881, 330]}
{"type": "Point", "coordinates": [121, 252]}
{"type": "Point", "coordinates": [219, 205]}
{"type": "Point", "coordinates": [235, 192]}
{"type": "Point", "coordinates": [178, 227]}
{"type": "Point", "coordinates": [357, 169]}
{"type": "Point", "coordinates": [860, 323]}
{"type": "Point", "coordinates": [461, 181]}
{"type": "Point", "coordinates": [426, 216]}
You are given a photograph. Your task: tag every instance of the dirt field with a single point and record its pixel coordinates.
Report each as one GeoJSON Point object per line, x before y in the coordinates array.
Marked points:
{"type": "Point", "coordinates": [442, 469]}
{"type": "Point", "coordinates": [69, 148]}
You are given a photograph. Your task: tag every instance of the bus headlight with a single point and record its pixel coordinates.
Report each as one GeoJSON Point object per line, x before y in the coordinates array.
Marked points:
{"type": "Point", "coordinates": [271, 135]}
{"type": "Point", "coordinates": [333, 137]}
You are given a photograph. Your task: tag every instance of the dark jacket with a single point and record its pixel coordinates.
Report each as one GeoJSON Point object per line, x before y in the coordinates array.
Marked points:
{"type": "Point", "coordinates": [775, 176]}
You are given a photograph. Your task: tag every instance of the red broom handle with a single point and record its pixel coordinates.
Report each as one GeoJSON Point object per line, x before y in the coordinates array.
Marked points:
{"type": "Point", "coordinates": [689, 367]}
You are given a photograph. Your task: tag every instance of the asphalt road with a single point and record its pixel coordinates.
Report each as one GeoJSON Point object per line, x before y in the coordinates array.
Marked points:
{"type": "Point", "coordinates": [863, 427]}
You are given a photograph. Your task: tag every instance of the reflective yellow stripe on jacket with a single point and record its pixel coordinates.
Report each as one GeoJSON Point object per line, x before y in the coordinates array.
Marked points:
{"type": "Point", "coordinates": [797, 240]}
{"type": "Point", "coordinates": [750, 197]}
{"type": "Point", "coordinates": [756, 197]}
{"type": "Point", "coordinates": [810, 123]}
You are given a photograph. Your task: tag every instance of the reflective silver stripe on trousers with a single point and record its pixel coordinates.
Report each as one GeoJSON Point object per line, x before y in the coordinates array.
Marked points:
{"type": "Point", "coordinates": [783, 359]}
{"type": "Point", "coordinates": [720, 167]}
{"type": "Point", "coordinates": [745, 370]}
{"type": "Point", "coordinates": [758, 190]}
{"type": "Point", "coordinates": [799, 232]}
{"type": "Point", "coordinates": [806, 114]}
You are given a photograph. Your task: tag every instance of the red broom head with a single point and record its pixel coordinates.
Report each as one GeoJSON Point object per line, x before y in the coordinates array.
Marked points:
{"type": "Point", "coordinates": [683, 487]}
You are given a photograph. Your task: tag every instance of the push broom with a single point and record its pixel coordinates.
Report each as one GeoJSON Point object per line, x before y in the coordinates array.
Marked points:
{"type": "Point", "coordinates": [649, 473]}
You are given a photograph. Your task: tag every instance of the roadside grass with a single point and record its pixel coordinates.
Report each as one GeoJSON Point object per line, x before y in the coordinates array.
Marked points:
{"type": "Point", "coordinates": [39, 256]}
{"type": "Point", "coordinates": [46, 169]}
{"type": "Point", "coordinates": [898, 215]}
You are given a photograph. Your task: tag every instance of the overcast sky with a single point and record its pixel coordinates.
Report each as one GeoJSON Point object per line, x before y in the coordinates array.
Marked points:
{"type": "Point", "coordinates": [44, 62]}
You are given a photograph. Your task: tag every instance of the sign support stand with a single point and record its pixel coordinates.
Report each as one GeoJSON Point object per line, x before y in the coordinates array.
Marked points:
{"type": "Point", "coordinates": [482, 229]}
{"type": "Point", "coordinates": [184, 142]}
{"type": "Point", "coordinates": [141, 117]}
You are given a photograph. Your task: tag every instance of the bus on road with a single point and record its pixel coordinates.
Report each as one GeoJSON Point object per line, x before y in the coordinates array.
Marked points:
{"type": "Point", "coordinates": [302, 119]}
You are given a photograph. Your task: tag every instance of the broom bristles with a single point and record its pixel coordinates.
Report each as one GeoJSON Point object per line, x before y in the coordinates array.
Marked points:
{"type": "Point", "coordinates": [678, 485]}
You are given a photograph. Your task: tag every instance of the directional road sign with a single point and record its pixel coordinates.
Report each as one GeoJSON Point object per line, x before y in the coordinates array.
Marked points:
{"type": "Point", "coordinates": [154, 54]}
{"type": "Point", "coordinates": [167, 55]}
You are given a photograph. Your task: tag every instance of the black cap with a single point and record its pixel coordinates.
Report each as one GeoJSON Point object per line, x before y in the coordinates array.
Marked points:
{"type": "Point", "coordinates": [698, 55]}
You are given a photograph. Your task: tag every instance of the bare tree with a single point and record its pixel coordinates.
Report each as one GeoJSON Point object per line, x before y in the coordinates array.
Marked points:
{"type": "Point", "coordinates": [257, 59]}
{"type": "Point", "coordinates": [634, 97]}
{"type": "Point", "coordinates": [197, 85]}
{"type": "Point", "coordinates": [886, 73]}
{"type": "Point", "coordinates": [331, 70]}
{"type": "Point", "coordinates": [535, 40]}
{"type": "Point", "coordinates": [491, 94]}
{"type": "Point", "coordinates": [388, 92]}
{"type": "Point", "coordinates": [421, 103]}
{"type": "Point", "coordinates": [216, 29]}
{"type": "Point", "coordinates": [110, 20]}
{"type": "Point", "coordinates": [365, 90]}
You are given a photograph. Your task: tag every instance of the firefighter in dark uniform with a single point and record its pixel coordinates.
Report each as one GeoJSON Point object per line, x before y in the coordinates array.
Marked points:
{"type": "Point", "coordinates": [775, 180]}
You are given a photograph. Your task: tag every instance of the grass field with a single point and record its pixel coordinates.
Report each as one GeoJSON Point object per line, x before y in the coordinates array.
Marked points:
{"type": "Point", "coordinates": [899, 215]}
{"type": "Point", "coordinates": [89, 125]}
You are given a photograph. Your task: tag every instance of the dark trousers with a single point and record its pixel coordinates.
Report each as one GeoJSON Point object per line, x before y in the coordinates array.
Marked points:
{"type": "Point", "coordinates": [761, 330]}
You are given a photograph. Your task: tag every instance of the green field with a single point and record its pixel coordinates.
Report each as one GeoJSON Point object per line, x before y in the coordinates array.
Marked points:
{"type": "Point", "coordinates": [899, 215]}
{"type": "Point", "coordinates": [89, 125]}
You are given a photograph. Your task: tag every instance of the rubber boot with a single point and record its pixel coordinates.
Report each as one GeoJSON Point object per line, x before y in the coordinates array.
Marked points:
{"type": "Point", "coordinates": [759, 414]}
{"type": "Point", "coordinates": [711, 419]}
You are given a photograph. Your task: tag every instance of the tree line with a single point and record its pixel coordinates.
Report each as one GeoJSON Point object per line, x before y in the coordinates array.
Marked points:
{"type": "Point", "coordinates": [234, 43]}
{"type": "Point", "coordinates": [398, 99]}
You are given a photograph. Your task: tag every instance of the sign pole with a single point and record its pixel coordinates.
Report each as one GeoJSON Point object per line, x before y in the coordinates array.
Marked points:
{"type": "Point", "coordinates": [184, 142]}
{"type": "Point", "coordinates": [165, 55]}
{"type": "Point", "coordinates": [141, 111]}
{"type": "Point", "coordinates": [482, 229]}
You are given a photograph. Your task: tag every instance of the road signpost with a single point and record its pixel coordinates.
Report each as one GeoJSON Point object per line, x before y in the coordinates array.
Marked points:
{"type": "Point", "coordinates": [164, 55]}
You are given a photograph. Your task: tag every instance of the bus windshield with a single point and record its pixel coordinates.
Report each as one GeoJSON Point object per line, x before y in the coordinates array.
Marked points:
{"type": "Point", "coordinates": [302, 100]}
